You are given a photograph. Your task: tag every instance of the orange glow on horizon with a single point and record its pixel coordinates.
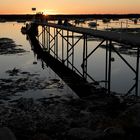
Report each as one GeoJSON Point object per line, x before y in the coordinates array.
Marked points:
{"type": "Point", "coordinates": [98, 10]}
{"type": "Point", "coordinates": [14, 12]}
{"type": "Point", "coordinates": [70, 7]}
{"type": "Point", "coordinates": [53, 12]}
{"type": "Point", "coordinates": [49, 12]}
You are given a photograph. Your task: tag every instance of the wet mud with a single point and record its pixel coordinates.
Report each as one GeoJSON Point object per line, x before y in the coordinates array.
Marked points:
{"type": "Point", "coordinates": [8, 46]}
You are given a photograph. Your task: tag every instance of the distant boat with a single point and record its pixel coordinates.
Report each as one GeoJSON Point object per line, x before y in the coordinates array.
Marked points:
{"type": "Point", "coordinates": [106, 20]}
{"type": "Point", "coordinates": [21, 21]}
{"type": "Point", "coordinates": [78, 21]}
{"type": "Point", "coordinates": [115, 19]}
{"type": "Point", "coordinates": [93, 24]}
{"type": "Point", "coordinates": [2, 20]}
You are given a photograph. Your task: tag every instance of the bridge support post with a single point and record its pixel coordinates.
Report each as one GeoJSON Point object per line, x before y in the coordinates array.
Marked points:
{"type": "Point", "coordinates": [84, 64]}
{"type": "Point", "coordinates": [57, 44]}
{"type": "Point", "coordinates": [109, 67]}
{"type": "Point", "coordinates": [67, 48]}
{"type": "Point", "coordinates": [62, 47]}
{"type": "Point", "coordinates": [106, 65]}
{"type": "Point", "coordinates": [49, 39]}
{"type": "Point", "coordinates": [54, 45]}
{"type": "Point", "coordinates": [43, 36]}
{"type": "Point", "coordinates": [72, 50]}
{"type": "Point", "coordinates": [137, 70]}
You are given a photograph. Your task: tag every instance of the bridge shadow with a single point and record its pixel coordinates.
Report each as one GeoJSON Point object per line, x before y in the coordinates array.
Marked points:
{"type": "Point", "coordinates": [79, 85]}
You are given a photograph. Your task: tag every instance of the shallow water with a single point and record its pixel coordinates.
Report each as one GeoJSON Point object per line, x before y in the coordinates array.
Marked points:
{"type": "Point", "coordinates": [30, 68]}
{"type": "Point", "coordinates": [122, 76]}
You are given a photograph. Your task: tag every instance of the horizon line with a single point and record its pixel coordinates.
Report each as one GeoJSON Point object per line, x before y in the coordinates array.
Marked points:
{"type": "Point", "coordinates": [75, 14]}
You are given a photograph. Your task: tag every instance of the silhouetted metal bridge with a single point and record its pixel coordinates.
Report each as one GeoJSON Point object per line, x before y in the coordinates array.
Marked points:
{"type": "Point", "coordinates": [50, 35]}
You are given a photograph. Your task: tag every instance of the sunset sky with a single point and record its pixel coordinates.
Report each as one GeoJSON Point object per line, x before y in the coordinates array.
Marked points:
{"type": "Point", "coordinates": [70, 6]}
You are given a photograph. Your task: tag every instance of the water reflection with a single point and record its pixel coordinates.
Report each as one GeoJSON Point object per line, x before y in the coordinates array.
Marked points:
{"type": "Point", "coordinates": [122, 77]}
{"type": "Point", "coordinates": [19, 77]}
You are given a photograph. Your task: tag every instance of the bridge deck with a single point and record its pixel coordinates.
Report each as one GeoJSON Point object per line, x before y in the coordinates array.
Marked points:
{"type": "Point", "coordinates": [125, 38]}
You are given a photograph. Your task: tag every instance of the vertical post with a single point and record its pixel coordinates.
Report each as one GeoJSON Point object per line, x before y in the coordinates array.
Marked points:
{"type": "Point", "coordinates": [54, 43]}
{"type": "Point", "coordinates": [86, 56]}
{"type": "Point", "coordinates": [96, 24]}
{"type": "Point", "coordinates": [43, 35]}
{"type": "Point", "coordinates": [109, 68]}
{"type": "Point", "coordinates": [49, 39]}
{"type": "Point", "coordinates": [126, 24]}
{"type": "Point", "coordinates": [72, 50]}
{"type": "Point", "coordinates": [84, 64]}
{"type": "Point", "coordinates": [121, 24]}
{"type": "Point", "coordinates": [67, 48]}
{"type": "Point", "coordinates": [106, 65]}
{"type": "Point", "coordinates": [137, 70]}
{"type": "Point", "coordinates": [107, 25]}
{"type": "Point", "coordinates": [57, 43]}
{"type": "Point", "coordinates": [62, 46]}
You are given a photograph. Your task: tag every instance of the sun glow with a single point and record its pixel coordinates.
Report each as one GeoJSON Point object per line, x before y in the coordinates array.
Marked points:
{"type": "Point", "coordinates": [49, 12]}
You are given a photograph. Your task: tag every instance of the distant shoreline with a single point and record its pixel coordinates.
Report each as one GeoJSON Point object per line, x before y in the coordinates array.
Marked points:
{"type": "Point", "coordinates": [14, 17]}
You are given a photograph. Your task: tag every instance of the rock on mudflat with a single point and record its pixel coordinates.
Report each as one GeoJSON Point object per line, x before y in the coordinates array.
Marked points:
{"type": "Point", "coordinates": [130, 121]}
{"type": "Point", "coordinates": [131, 116]}
{"type": "Point", "coordinates": [6, 134]}
{"type": "Point", "coordinates": [41, 136]}
{"type": "Point", "coordinates": [114, 133]}
{"type": "Point", "coordinates": [84, 134]}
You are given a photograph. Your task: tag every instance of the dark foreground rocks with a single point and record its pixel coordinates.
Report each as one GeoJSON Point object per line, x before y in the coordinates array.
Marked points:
{"type": "Point", "coordinates": [96, 117]}
{"type": "Point", "coordinates": [74, 119]}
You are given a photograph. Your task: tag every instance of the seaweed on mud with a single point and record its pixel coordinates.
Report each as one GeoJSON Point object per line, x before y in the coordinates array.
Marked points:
{"type": "Point", "coordinates": [8, 46]}
{"type": "Point", "coordinates": [21, 81]}
{"type": "Point", "coordinates": [13, 72]}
